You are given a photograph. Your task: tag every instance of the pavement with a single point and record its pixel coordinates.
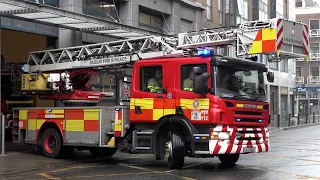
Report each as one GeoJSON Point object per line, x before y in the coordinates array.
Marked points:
{"type": "Point", "coordinates": [294, 154]}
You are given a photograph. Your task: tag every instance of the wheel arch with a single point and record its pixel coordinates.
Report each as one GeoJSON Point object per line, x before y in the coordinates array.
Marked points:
{"type": "Point", "coordinates": [164, 125]}
{"type": "Point", "coordinates": [46, 126]}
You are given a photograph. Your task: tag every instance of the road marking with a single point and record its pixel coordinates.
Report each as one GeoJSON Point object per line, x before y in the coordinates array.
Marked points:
{"type": "Point", "coordinates": [185, 167]}
{"type": "Point", "coordinates": [48, 176]}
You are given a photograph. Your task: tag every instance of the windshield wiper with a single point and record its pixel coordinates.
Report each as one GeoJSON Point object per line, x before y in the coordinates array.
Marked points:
{"type": "Point", "coordinates": [240, 96]}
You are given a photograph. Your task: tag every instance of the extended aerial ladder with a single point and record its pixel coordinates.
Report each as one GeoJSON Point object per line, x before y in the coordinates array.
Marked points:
{"type": "Point", "coordinates": [277, 38]}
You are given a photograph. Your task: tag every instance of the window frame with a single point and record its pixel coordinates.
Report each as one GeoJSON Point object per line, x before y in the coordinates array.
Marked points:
{"type": "Point", "coordinates": [209, 7]}
{"type": "Point", "coordinates": [141, 89]}
{"type": "Point", "coordinates": [314, 67]}
{"type": "Point", "coordinates": [181, 75]}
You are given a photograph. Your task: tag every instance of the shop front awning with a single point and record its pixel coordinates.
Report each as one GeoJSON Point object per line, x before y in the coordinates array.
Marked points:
{"type": "Point", "coordinates": [49, 15]}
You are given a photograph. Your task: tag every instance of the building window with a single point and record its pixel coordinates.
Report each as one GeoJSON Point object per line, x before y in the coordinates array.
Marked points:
{"type": "Point", "coordinates": [242, 11]}
{"type": "Point", "coordinates": [263, 9]}
{"type": "Point", "coordinates": [220, 11]}
{"type": "Point", "coordinates": [151, 79]}
{"type": "Point", "coordinates": [187, 76]}
{"type": "Point", "coordinates": [314, 71]}
{"type": "Point", "coordinates": [104, 9]}
{"type": "Point", "coordinates": [150, 19]}
{"type": "Point", "coordinates": [314, 24]}
{"type": "Point", "coordinates": [298, 3]}
{"type": "Point", "coordinates": [209, 9]}
{"type": "Point", "coordinates": [279, 8]}
{"type": "Point", "coordinates": [314, 47]}
{"type": "Point", "coordinates": [298, 72]}
{"type": "Point", "coordinates": [284, 65]}
{"type": "Point", "coordinates": [273, 65]}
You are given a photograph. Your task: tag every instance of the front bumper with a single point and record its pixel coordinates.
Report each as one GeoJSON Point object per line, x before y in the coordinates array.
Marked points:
{"type": "Point", "coordinates": [232, 140]}
{"type": "Point", "coordinates": [226, 147]}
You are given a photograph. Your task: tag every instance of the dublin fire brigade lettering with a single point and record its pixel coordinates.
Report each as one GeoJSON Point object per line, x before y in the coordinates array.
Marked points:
{"type": "Point", "coordinates": [109, 60]}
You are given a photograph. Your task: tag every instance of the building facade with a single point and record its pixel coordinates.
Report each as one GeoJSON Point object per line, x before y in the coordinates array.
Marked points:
{"type": "Point", "coordinates": [308, 74]}
{"type": "Point", "coordinates": [157, 16]}
{"type": "Point", "coordinates": [222, 13]}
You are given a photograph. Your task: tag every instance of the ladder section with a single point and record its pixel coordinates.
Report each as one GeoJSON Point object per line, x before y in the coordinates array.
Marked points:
{"type": "Point", "coordinates": [102, 54]}
{"type": "Point", "coordinates": [207, 38]}
{"type": "Point", "coordinates": [16, 133]}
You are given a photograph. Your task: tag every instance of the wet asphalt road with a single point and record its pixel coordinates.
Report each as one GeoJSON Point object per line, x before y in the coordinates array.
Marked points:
{"type": "Point", "coordinates": [294, 154]}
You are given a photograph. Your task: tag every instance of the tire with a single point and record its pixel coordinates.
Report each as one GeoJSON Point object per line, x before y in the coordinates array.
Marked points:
{"type": "Point", "coordinates": [98, 152]}
{"type": "Point", "coordinates": [52, 143]}
{"type": "Point", "coordinates": [175, 150]}
{"type": "Point", "coordinates": [229, 159]}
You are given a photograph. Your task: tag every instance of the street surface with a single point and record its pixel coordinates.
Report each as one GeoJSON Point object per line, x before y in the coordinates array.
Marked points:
{"type": "Point", "coordinates": [295, 154]}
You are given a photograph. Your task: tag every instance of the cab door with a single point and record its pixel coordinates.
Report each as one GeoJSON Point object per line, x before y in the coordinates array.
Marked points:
{"type": "Point", "coordinates": [194, 106]}
{"type": "Point", "coordinates": [147, 93]}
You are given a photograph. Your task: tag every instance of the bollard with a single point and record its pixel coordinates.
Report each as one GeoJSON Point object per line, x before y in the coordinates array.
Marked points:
{"type": "Point", "coordinates": [2, 134]}
{"type": "Point", "coordinates": [314, 117]}
{"type": "Point", "coordinates": [306, 118]}
{"type": "Point", "coordinates": [298, 118]}
{"type": "Point", "coordinates": [289, 120]}
{"type": "Point", "coordinates": [278, 120]}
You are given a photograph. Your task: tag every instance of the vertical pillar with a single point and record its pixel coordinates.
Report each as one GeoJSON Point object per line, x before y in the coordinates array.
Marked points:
{"type": "Point", "coordinates": [174, 19]}
{"type": "Point", "coordinates": [69, 37]}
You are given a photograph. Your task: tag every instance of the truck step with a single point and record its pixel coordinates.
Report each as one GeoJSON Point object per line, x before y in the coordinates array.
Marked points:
{"type": "Point", "coordinates": [202, 152]}
{"type": "Point", "coordinates": [142, 148]}
{"type": "Point", "coordinates": [144, 133]}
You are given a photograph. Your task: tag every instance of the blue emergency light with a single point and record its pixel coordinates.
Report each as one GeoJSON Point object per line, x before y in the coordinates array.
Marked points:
{"type": "Point", "coordinates": [204, 52]}
{"type": "Point", "coordinates": [22, 68]}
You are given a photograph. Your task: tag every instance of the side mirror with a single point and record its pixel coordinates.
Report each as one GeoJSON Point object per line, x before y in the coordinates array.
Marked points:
{"type": "Point", "coordinates": [200, 84]}
{"type": "Point", "coordinates": [197, 71]}
{"type": "Point", "coordinates": [270, 76]}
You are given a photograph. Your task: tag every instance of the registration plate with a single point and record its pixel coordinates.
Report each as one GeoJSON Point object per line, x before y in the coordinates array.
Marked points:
{"type": "Point", "coordinates": [249, 150]}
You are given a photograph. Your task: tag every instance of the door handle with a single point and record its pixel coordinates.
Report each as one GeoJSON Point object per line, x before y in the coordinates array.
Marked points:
{"type": "Point", "coordinates": [160, 97]}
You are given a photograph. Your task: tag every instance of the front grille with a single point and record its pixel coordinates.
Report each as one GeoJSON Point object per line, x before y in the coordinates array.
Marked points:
{"type": "Point", "coordinates": [249, 135]}
{"type": "Point", "coordinates": [249, 113]}
{"type": "Point", "coordinates": [248, 120]}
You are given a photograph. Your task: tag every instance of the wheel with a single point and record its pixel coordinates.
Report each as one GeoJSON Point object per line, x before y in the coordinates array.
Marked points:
{"type": "Point", "coordinates": [52, 143]}
{"type": "Point", "coordinates": [229, 159]}
{"type": "Point", "coordinates": [175, 150]}
{"type": "Point", "coordinates": [98, 152]}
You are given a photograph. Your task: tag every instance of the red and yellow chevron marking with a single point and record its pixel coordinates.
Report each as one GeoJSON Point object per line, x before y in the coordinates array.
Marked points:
{"type": "Point", "coordinates": [154, 109]}
{"type": "Point", "coordinates": [265, 41]}
{"type": "Point", "coordinates": [75, 119]}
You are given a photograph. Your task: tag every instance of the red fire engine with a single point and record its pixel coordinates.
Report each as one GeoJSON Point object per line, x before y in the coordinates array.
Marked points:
{"type": "Point", "coordinates": [175, 96]}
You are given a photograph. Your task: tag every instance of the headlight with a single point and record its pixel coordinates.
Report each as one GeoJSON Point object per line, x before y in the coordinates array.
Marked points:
{"type": "Point", "coordinates": [267, 134]}
{"type": "Point", "coordinates": [220, 135]}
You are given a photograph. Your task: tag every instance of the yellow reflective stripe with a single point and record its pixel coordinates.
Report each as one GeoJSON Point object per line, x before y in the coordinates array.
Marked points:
{"type": "Point", "coordinates": [23, 114]}
{"type": "Point", "coordinates": [75, 125]}
{"type": "Point", "coordinates": [157, 114]}
{"type": "Point", "coordinates": [91, 114]}
{"type": "Point", "coordinates": [32, 124]}
{"type": "Point", "coordinates": [40, 122]}
{"type": "Point", "coordinates": [145, 103]}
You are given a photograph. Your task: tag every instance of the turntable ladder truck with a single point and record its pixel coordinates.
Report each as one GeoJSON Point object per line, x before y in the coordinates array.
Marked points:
{"type": "Point", "coordinates": [170, 122]}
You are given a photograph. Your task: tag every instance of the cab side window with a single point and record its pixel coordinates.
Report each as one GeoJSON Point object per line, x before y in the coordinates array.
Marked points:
{"type": "Point", "coordinates": [187, 75]}
{"type": "Point", "coordinates": [151, 79]}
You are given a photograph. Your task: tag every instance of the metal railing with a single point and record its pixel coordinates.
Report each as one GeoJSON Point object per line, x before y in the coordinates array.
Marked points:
{"type": "Point", "coordinates": [313, 80]}
{"type": "Point", "coordinates": [314, 56]}
{"type": "Point", "coordinates": [314, 33]}
{"type": "Point", "coordinates": [299, 80]}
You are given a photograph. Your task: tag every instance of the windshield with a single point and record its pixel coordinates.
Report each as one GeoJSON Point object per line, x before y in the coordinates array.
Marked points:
{"type": "Point", "coordinates": [240, 84]}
